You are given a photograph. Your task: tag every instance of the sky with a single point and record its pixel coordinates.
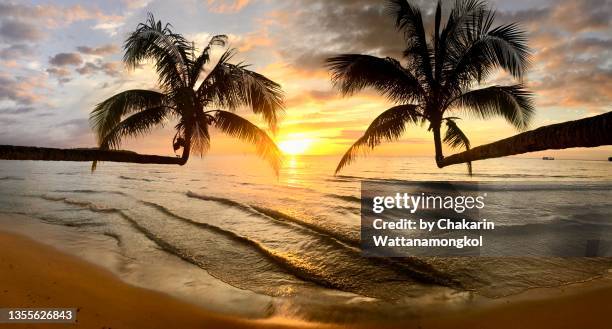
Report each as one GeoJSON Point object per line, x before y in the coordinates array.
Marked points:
{"type": "Point", "coordinates": [58, 59]}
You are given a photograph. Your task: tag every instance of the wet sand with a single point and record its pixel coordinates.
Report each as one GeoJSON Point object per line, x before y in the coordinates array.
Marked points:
{"type": "Point", "coordinates": [37, 275]}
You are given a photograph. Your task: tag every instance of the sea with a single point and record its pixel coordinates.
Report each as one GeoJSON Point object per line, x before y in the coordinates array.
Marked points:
{"type": "Point", "coordinates": [226, 233]}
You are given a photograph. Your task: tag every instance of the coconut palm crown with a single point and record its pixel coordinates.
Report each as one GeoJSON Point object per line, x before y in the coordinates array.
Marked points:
{"type": "Point", "coordinates": [190, 94]}
{"type": "Point", "coordinates": [440, 75]}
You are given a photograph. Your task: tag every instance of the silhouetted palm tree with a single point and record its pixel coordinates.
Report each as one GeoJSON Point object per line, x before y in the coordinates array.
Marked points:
{"type": "Point", "coordinates": [437, 75]}
{"type": "Point", "coordinates": [588, 132]}
{"type": "Point", "coordinates": [189, 95]}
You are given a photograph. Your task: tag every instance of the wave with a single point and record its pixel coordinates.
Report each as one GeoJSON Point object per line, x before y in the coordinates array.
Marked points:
{"type": "Point", "coordinates": [217, 229]}
{"type": "Point", "coordinates": [134, 178]}
{"type": "Point", "coordinates": [115, 236]}
{"type": "Point", "coordinates": [415, 268]}
{"type": "Point", "coordinates": [91, 192]}
{"type": "Point", "coordinates": [286, 263]}
{"type": "Point", "coordinates": [227, 202]}
{"type": "Point", "coordinates": [278, 216]}
{"type": "Point", "coordinates": [349, 198]}
{"type": "Point", "coordinates": [84, 204]}
{"type": "Point", "coordinates": [268, 253]}
{"type": "Point", "coordinates": [11, 178]}
{"type": "Point", "coordinates": [536, 186]}
{"type": "Point", "coordinates": [484, 186]}
{"type": "Point", "coordinates": [62, 222]}
{"type": "Point", "coordinates": [529, 176]}
{"type": "Point", "coordinates": [12, 212]}
{"type": "Point", "coordinates": [337, 179]}
{"type": "Point", "coordinates": [160, 242]}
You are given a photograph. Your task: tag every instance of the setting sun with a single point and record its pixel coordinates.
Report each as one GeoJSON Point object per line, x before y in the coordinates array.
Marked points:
{"type": "Point", "coordinates": [294, 146]}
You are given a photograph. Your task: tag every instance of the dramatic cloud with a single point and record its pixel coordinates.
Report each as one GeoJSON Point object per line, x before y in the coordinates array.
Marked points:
{"type": "Point", "coordinates": [78, 129]}
{"type": "Point", "coordinates": [108, 68]}
{"type": "Point", "coordinates": [252, 40]}
{"type": "Point", "coordinates": [572, 46]}
{"type": "Point", "coordinates": [54, 15]}
{"type": "Point", "coordinates": [571, 41]}
{"type": "Point", "coordinates": [62, 74]}
{"type": "Point", "coordinates": [318, 29]}
{"type": "Point", "coordinates": [64, 59]}
{"type": "Point", "coordinates": [21, 90]}
{"type": "Point", "coordinates": [16, 31]}
{"type": "Point", "coordinates": [16, 51]}
{"type": "Point", "coordinates": [17, 110]}
{"type": "Point", "coordinates": [100, 51]}
{"type": "Point", "coordinates": [582, 15]}
{"type": "Point", "coordinates": [22, 22]}
{"type": "Point", "coordinates": [74, 132]}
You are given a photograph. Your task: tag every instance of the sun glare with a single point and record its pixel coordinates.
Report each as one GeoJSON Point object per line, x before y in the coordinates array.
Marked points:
{"type": "Point", "coordinates": [294, 146]}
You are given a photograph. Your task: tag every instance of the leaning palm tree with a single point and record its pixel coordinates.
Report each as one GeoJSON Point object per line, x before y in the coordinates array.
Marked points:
{"type": "Point", "coordinates": [191, 94]}
{"type": "Point", "coordinates": [438, 76]}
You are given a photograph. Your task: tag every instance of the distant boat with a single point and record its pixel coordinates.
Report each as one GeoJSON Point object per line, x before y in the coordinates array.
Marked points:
{"type": "Point", "coordinates": [548, 158]}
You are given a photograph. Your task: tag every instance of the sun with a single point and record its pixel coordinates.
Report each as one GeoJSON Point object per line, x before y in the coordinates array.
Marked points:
{"type": "Point", "coordinates": [295, 146]}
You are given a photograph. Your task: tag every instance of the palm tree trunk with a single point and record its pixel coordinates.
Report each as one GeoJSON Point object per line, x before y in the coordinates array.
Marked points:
{"type": "Point", "coordinates": [186, 151]}
{"type": "Point", "coordinates": [10, 152]}
{"type": "Point", "coordinates": [186, 147]}
{"type": "Point", "coordinates": [438, 145]}
{"type": "Point", "coordinates": [588, 132]}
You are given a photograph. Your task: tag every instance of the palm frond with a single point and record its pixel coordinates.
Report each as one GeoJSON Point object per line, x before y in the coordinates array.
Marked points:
{"type": "Point", "coordinates": [108, 114]}
{"type": "Point", "coordinates": [353, 72]}
{"type": "Point", "coordinates": [167, 49]}
{"type": "Point", "coordinates": [480, 50]}
{"type": "Point", "coordinates": [409, 20]}
{"type": "Point", "coordinates": [462, 13]}
{"type": "Point", "coordinates": [236, 126]}
{"type": "Point", "coordinates": [455, 138]}
{"type": "Point", "coordinates": [231, 86]}
{"type": "Point", "coordinates": [204, 58]}
{"type": "Point", "coordinates": [438, 46]}
{"type": "Point", "coordinates": [514, 103]}
{"type": "Point", "coordinates": [450, 36]}
{"type": "Point", "coordinates": [135, 125]}
{"type": "Point", "coordinates": [509, 42]}
{"type": "Point", "coordinates": [200, 137]}
{"type": "Point", "coordinates": [388, 126]}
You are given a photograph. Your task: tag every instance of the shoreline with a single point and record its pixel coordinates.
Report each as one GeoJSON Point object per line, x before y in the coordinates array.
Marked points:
{"type": "Point", "coordinates": [38, 275]}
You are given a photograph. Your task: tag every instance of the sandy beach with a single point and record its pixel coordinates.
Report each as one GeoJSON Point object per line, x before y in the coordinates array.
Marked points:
{"type": "Point", "coordinates": [37, 275]}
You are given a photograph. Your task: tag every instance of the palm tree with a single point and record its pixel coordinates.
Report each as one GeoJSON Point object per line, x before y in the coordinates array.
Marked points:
{"type": "Point", "coordinates": [189, 96]}
{"type": "Point", "coordinates": [588, 132]}
{"type": "Point", "coordinates": [437, 76]}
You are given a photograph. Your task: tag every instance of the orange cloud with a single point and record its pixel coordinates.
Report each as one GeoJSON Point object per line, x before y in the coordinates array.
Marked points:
{"type": "Point", "coordinates": [226, 6]}
{"type": "Point", "coordinates": [21, 90]}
